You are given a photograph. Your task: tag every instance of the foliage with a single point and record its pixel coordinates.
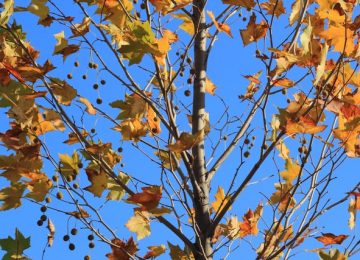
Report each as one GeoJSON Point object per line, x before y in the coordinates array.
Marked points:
{"type": "Point", "coordinates": [296, 118]}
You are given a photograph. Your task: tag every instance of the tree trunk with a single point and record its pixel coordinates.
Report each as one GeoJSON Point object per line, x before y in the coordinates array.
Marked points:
{"type": "Point", "coordinates": [202, 209]}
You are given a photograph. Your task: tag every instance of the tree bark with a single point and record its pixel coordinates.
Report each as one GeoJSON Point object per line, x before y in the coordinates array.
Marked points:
{"type": "Point", "coordinates": [201, 204]}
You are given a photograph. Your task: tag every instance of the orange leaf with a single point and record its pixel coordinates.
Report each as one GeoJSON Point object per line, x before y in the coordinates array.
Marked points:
{"type": "Point", "coordinates": [253, 31]}
{"type": "Point", "coordinates": [330, 239]}
{"type": "Point", "coordinates": [275, 7]}
{"type": "Point", "coordinates": [210, 86]}
{"type": "Point", "coordinates": [305, 125]}
{"type": "Point", "coordinates": [222, 27]}
{"type": "Point", "coordinates": [242, 3]}
{"type": "Point", "coordinates": [89, 107]}
{"type": "Point", "coordinates": [186, 141]}
{"type": "Point", "coordinates": [283, 82]}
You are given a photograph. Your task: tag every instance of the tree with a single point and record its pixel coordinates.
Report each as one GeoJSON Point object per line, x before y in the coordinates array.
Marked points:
{"type": "Point", "coordinates": [252, 164]}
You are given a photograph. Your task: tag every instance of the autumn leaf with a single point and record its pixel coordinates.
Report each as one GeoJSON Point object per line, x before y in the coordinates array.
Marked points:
{"type": "Point", "coordinates": [148, 199]}
{"type": "Point", "coordinates": [305, 125]}
{"type": "Point", "coordinates": [250, 220]}
{"type": "Point", "coordinates": [283, 82]}
{"type": "Point", "coordinates": [62, 47]}
{"type": "Point", "coordinates": [15, 247]}
{"type": "Point", "coordinates": [116, 191]}
{"type": "Point", "coordinates": [210, 87]}
{"type": "Point", "coordinates": [352, 209]}
{"type": "Point", "coordinates": [292, 170]}
{"type": "Point", "coordinates": [331, 239]}
{"type": "Point", "coordinates": [153, 121]}
{"type": "Point", "coordinates": [168, 159]}
{"type": "Point", "coordinates": [283, 150]}
{"type": "Point", "coordinates": [274, 7]}
{"type": "Point", "coordinates": [242, 3]}
{"type": "Point", "coordinates": [69, 165]}
{"type": "Point", "coordinates": [80, 29]}
{"type": "Point", "coordinates": [253, 31]}
{"type": "Point", "coordinates": [187, 24]}
{"type": "Point", "coordinates": [7, 12]}
{"type": "Point", "coordinates": [334, 254]}
{"type": "Point", "coordinates": [51, 235]}
{"type": "Point", "coordinates": [221, 27]}
{"type": "Point", "coordinates": [155, 251]}
{"type": "Point", "coordinates": [99, 181]}
{"type": "Point", "coordinates": [123, 249]}
{"type": "Point", "coordinates": [186, 141]}
{"type": "Point", "coordinates": [63, 91]}
{"type": "Point", "coordinates": [11, 196]}
{"type": "Point", "coordinates": [176, 253]}
{"type": "Point", "coordinates": [39, 8]}
{"type": "Point", "coordinates": [282, 196]}
{"type": "Point", "coordinates": [340, 37]}
{"type": "Point", "coordinates": [132, 129]}
{"type": "Point", "coordinates": [139, 224]}
{"type": "Point", "coordinates": [89, 107]}
{"type": "Point", "coordinates": [79, 214]}
{"type": "Point", "coordinates": [220, 200]}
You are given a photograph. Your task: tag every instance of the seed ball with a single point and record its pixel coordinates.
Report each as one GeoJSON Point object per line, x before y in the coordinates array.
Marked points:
{"type": "Point", "coordinates": [90, 237]}
{"type": "Point", "coordinates": [43, 208]}
{"type": "Point", "coordinates": [247, 141]}
{"type": "Point", "coordinates": [76, 64]}
{"type": "Point", "coordinates": [69, 76]}
{"type": "Point", "coordinates": [120, 149]}
{"type": "Point", "coordinates": [69, 178]}
{"type": "Point", "coordinates": [91, 245]}
{"type": "Point", "coordinates": [246, 154]}
{"type": "Point", "coordinates": [142, 6]}
{"type": "Point", "coordinates": [87, 257]}
{"type": "Point", "coordinates": [66, 238]}
{"type": "Point", "coordinates": [189, 81]}
{"type": "Point", "coordinates": [95, 86]}
{"type": "Point", "coordinates": [39, 222]}
{"type": "Point", "coordinates": [93, 130]}
{"type": "Point", "coordinates": [48, 200]}
{"type": "Point", "coordinates": [99, 101]}
{"type": "Point", "coordinates": [103, 82]}
{"type": "Point", "coordinates": [75, 186]}
{"type": "Point", "coordinates": [73, 231]}
{"type": "Point", "coordinates": [43, 217]}
{"type": "Point", "coordinates": [71, 246]}
{"type": "Point", "coordinates": [80, 165]}
{"type": "Point", "coordinates": [187, 93]}
{"type": "Point", "coordinates": [59, 195]}
{"type": "Point", "coordinates": [55, 178]}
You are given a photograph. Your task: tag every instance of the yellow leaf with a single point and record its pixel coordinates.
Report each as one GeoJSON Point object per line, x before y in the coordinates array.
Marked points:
{"type": "Point", "coordinates": [99, 181]}
{"type": "Point", "coordinates": [39, 8]}
{"type": "Point", "coordinates": [7, 12]}
{"type": "Point", "coordinates": [283, 150]}
{"type": "Point", "coordinates": [139, 224]}
{"type": "Point", "coordinates": [186, 141]}
{"type": "Point", "coordinates": [11, 196]}
{"type": "Point", "coordinates": [282, 196]}
{"type": "Point", "coordinates": [132, 129]}
{"type": "Point", "coordinates": [82, 28]}
{"type": "Point", "coordinates": [274, 7]}
{"type": "Point", "coordinates": [295, 11]}
{"type": "Point", "coordinates": [176, 253]}
{"type": "Point", "coordinates": [220, 200]}
{"type": "Point", "coordinates": [89, 107]}
{"type": "Point", "coordinates": [62, 46]}
{"type": "Point", "coordinates": [210, 86]}
{"type": "Point", "coordinates": [352, 211]}
{"type": "Point", "coordinates": [63, 91]}
{"type": "Point", "coordinates": [187, 24]}
{"type": "Point", "coordinates": [341, 38]}
{"type": "Point", "coordinates": [291, 172]}
{"type": "Point", "coordinates": [155, 251]}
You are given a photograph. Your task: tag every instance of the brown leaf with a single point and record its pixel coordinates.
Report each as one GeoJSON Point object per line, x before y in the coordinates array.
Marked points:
{"type": "Point", "coordinates": [123, 249]}
{"type": "Point", "coordinates": [253, 31]}
{"type": "Point", "coordinates": [330, 239]}
{"type": "Point", "coordinates": [148, 199]}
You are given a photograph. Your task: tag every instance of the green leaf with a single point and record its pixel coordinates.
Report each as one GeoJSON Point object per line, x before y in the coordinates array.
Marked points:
{"type": "Point", "coordinates": [69, 164]}
{"type": "Point", "coordinates": [7, 12]}
{"type": "Point", "coordinates": [116, 191]}
{"type": "Point", "coordinates": [15, 247]}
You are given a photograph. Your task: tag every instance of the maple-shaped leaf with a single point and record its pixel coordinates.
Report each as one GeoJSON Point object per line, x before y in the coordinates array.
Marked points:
{"type": "Point", "coordinates": [89, 107]}
{"type": "Point", "coordinates": [292, 170]}
{"type": "Point", "coordinates": [305, 125]}
{"type": "Point", "coordinates": [48, 121]}
{"type": "Point", "coordinates": [167, 158]}
{"type": "Point", "coordinates": [187, 24]}
{"type": "Point", "coordinates": [164, 45]}
{"type": "Point", "coordinates": [333, 254]}
{"type": "Point", "coordinates": [82, 213]}
{"type": "Point", "coordinates": [134, 106]}
{"type": "Point", "coordinates": [132, 129]}
{"type": "Point", "coordinates": [63, 91]}
{"type": "Point", "coordinates": [331, 239]}
{"type": "Point", "coordinates": [242, 3]}
{"type": "Point", "coordinates": [62, 47]}
{"type": "Point", "coordinates": [274, 7]}
{"type": "Point", "coordinates": [15, 247]}
{"type": "Point", "coordinates": [80, 29]}
{"type": "Point", "coordinates": [221, 27]}
{"type": "Point", "coordinates": [99, 181]}
{"type": "Point", "coordinates": [186, 141]}
{"type": "Point", "coordinates": [69, 165]}
{"type": "Point", "coordinates": [176, 253]}
{"type": "Point", "coordinates": [11, 196]}
{"type": "Point", "coordinates": [148, 199]}
{"type": "Point", "coordinates": [73, 138]}
{"type": "Point", "coordinates": [220, 200]}
{"type": "Point", "coordinates": [282, 196]}
{"type": "Point", "coordinates": [253, 31]}
{"type": "Point", "coordinates": [39, 186]}
{"type": "Point", "coordinates": [168, 6]}
{"type": "Point", "coordinates": [7, 12]}
{"type": "Point", "coordinates": [139, 224]}
{"type": "Point", "coordinates": [250, 220]}
{"type": "Point", "coordinates": [39, 8]}
{"type": "Point", "coordinates": [116, 191]}
{"type": "Point", "coordinates": [253, 87]}
{"type": "Point", "coordinates": [115, 12]}
{"type": "Point", "coordinates": [123, 249]}
{"type": "Point", "coordinates": [232, 228]}
{"type": "Point", "coordinates": [155, 251]}
{"type": "Point", "coordinates": [340, 37]}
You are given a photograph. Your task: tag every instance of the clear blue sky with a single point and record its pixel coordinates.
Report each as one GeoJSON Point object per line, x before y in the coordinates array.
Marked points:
{"type": "Point", "coordinates": [228, 63]}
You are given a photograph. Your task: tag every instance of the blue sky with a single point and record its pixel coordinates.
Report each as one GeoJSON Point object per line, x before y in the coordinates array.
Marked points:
{"type": "Point", "coordinates": [228, 63]}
